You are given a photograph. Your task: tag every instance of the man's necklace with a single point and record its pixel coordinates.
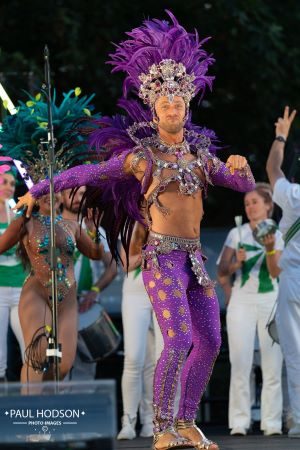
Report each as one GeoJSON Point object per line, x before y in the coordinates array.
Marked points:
{"type": "Point", "coordinates": [178, 149]}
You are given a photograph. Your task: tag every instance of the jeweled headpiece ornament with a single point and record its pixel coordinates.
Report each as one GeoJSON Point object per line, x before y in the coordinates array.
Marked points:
{"type": "Point", "coordinates": [23, 132]}
{"type": "Point", "coordinates": [168, 78]}
{"type": "Point", "coordinates": [162, 59]}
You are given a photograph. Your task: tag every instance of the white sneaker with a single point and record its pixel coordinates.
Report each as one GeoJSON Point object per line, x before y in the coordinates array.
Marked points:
{"type": "Point", "coordinates": [272, 432]}
{"type": "Point", "coordinates": [147, 430]}
{"type": "Point", "coordinates": [294, 432]}
{"type": "Point", "coordinates": [238, 431]}
{"type": "Point", "coordinates": [128, 428]}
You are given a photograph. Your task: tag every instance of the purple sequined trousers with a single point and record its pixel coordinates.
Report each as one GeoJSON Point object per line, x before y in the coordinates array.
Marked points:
{"type": "Point", "coordinates": [188, 316]}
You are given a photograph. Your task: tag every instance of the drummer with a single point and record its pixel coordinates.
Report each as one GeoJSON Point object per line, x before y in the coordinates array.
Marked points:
{"type": "Point", "coordinates": [92, 277]}
{"type": "Point", "coordinates": [252, 299]}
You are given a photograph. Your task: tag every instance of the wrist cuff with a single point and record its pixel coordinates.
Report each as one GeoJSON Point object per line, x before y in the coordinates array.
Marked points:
{"type": "Point", "coordinates": [95, 289]}
{"type": "Point", "coordinates": [92, 234]}
{"type": "Point", "coordinates": [280, 138]}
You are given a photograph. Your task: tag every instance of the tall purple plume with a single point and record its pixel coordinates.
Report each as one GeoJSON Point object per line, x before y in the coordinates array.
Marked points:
{"type": "Point", "coordinates": [154, 41]}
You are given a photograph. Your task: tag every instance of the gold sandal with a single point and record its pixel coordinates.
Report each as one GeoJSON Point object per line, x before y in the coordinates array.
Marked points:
{"type": "Point", "coordinates": [204, 444]}
{"type": "Point", "coordinates": [178, 442]}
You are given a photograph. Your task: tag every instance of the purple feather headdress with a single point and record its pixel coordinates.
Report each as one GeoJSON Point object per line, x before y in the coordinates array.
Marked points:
{"type": "Point", "coordinates": [162, 58]}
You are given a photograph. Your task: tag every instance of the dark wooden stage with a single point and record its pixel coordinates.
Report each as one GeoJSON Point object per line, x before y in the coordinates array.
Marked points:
{"type": "Point", "coordinates": [226, 442]}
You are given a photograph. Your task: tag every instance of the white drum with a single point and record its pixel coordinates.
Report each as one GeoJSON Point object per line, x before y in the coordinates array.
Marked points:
{"type": "Point", "coordinates": [100, 336]}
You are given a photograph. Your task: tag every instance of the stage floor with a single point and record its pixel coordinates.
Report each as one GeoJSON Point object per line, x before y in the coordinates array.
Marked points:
{"type": "Point", "coordinates": [226, 442]}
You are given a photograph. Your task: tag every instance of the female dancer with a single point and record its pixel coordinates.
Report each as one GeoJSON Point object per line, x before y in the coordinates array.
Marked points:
{"type": "Point", "coordinates": [20, 136]}
{"type": "Point", "coordinates": [139, 324]}
{"type": "Point", "coordinates": [253, 296]}
{"type": "Point", "coordinates": [35, 303]}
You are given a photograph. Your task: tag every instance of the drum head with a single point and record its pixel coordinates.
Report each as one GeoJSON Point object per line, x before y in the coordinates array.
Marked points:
{"type": "Point", "coordinates": [101, 338]}
{"type": "Point", "coordinates": [88, 317]}
{"type": "Point", "coordinates": [272, 330]}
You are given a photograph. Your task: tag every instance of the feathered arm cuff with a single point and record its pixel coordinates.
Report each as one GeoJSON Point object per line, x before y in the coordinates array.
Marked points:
{"type": "Point", "coordinates": [103, 174]}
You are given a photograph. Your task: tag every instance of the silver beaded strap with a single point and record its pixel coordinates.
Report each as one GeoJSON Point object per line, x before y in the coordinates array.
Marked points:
{"type": "Point", "coordinates": [166, 243]}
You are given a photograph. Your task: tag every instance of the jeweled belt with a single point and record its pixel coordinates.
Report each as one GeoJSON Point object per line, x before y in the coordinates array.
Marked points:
{"type": "Point", "coordinates": [164, 244]}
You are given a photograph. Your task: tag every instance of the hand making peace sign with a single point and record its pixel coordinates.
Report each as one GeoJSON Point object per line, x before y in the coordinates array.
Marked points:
{"type": "Point", "coordinates": [283, 124]}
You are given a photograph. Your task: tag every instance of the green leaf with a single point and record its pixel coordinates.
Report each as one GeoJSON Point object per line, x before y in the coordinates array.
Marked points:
{"type": "Point", "coordinates": [5, 104]}
{"type": "Point", "coordinates": [38, 97]}
{"type": "Point", "coordinates": [43, 124]}
{"type": "Point", "coordinates": [87, 111]}
{"type": "Point", "coordinates": [77, 91]}
{"type": "Point", "coordinates": [30, 103]}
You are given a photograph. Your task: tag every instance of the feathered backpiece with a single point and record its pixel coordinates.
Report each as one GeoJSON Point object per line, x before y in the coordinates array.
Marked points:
{"type": "Point", "coordinates": [162, 58]}
{"type": "Point", "coordinates": [113, 135]}
{"type": "Point", "coordinates": [118, 204]}
{"type": "Point", "coordinates": [23, 132]}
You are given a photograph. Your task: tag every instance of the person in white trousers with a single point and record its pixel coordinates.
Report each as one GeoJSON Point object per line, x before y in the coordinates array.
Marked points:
{"type": "Point", "coordinates": [12, 276]}
{"type": "Point", "coordinates": [253, 296]}
{"type": "Point", "coordinates": [287, 196]}
{"type": "Point", "coordinates": [92, 277]}
{"type": "Point", "coordinates": [142, 345]}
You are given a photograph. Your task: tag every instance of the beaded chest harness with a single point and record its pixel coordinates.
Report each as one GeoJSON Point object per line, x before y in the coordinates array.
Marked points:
{"type": "Point", "coordinates": [183, 170]}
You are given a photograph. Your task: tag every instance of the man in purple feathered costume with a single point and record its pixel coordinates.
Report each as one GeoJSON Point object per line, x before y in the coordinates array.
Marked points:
{"type": "Point", "coordinates": [155, 160]}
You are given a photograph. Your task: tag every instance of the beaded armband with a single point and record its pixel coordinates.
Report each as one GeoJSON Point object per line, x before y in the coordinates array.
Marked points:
{"type": "Point", "coordinates": [216, 164]}
{"type": "Point", "coordinates": [134, 164]}
{"type": "Point", "coordinates": [246, 172]}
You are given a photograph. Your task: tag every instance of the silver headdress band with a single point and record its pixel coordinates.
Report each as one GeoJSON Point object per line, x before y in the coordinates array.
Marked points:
{"type": "Point", "coordinates": [167, 78]}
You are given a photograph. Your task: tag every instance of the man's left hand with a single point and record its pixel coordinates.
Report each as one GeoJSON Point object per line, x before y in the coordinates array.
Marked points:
{"type": "Point", "coordinates": [236, 162]}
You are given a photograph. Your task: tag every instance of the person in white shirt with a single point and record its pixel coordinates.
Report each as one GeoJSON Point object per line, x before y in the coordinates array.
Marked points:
{"type": "Point", "coordinates": [253, 296]}
{"type": "Point", "coordinates": [287, 196]}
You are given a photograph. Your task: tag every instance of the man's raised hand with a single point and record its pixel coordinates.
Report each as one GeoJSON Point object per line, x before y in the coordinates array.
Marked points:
{"type": "Point", "coordinates": [236, 162]}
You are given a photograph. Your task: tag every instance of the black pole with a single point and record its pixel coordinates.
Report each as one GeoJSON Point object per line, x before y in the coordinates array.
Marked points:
{"type": "Point", "coordinates": [54, 348]}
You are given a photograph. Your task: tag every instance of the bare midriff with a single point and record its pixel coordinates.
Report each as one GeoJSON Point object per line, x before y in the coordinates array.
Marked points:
{"type": "Point", "coordinates": [185, 213]}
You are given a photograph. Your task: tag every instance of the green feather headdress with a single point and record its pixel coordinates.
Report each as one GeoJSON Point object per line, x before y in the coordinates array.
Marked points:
{"type": "Point", "coordinates": [23, 132]}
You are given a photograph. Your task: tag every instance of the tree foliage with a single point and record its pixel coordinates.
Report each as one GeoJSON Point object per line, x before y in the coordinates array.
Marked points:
{"type": "Point", "coordinates": [255, 43]}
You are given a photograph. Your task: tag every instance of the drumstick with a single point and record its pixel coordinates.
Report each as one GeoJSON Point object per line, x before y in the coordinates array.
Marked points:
{"type": "Point", "coordinates": [238, 222]}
